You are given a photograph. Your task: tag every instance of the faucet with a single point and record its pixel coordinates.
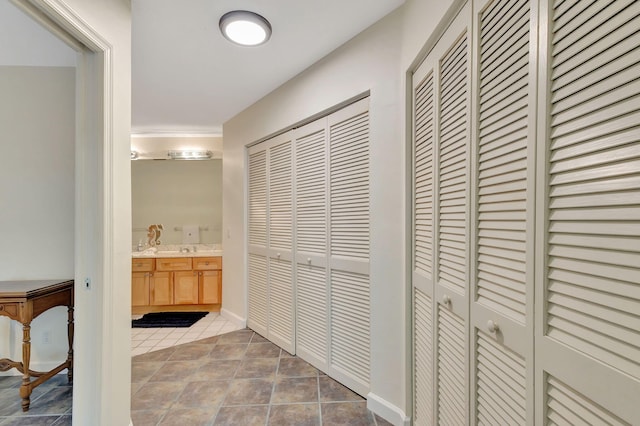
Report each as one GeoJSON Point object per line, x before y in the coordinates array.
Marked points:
{"type": "Point", "coordinates": [184, 249]}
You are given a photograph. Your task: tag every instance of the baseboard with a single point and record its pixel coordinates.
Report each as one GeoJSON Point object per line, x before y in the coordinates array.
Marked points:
{"type": "Point", "coordinates": [387, 411]}
{"type": "Point", "coordinates": [230, 316]}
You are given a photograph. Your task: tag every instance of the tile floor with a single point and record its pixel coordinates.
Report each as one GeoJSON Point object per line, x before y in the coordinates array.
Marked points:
{"type": "Point", "coordinates": [144, 340]}
{"type": "Point", "coordinates": [192, 377]}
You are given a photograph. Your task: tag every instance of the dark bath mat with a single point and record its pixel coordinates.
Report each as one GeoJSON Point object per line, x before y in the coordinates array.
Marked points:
{"type": "Point", "coordinates": [168, 319]}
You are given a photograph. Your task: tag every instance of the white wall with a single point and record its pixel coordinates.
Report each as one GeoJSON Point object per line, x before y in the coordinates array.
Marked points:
{"type": "Point", "coordinates": [25, 42]}
{"type": "Point", "coordinates": [376, 60]}
{"type": "Point", "coordinates": [176, 193]}
{"type": "Point", "coordinates": [37, 118]}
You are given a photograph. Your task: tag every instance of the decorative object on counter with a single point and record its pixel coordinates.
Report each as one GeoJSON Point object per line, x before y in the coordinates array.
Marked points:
{"type": "Point", "coordinates": [154, 234]}
{"type": "Point", "coordinates": [168, 319]}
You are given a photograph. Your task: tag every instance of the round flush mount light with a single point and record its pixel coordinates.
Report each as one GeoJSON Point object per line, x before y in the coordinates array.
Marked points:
{"type": "Point", "coordinates": [245, 28]}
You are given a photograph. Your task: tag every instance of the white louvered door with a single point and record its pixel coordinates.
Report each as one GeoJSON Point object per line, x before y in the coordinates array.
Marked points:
{"type": "Point", "coordinates": [552, 247]}
{"type": "Point", "coordinates": [270, 257]}
{"type": "Point", "coordinates": [258, 296]}
{"type": "Point", "coordinates": [588, 306]}
{"type": "Point", "coordinates": [441, 228]}
{"type": "Point", "coordinates": [280, 249]}
{"type": "Point", "coordinates": [312, 236]}
{"type": "Point", "coordinates": [308, 259]}
{"type": "Point", "coordinates": [452, 221]}
{"type": "Point", "coordinates": [348, 139]}
{"type": "Point", "coordinates": [423, 228]}
{"type": "Point", "coordinates": [502, 251]}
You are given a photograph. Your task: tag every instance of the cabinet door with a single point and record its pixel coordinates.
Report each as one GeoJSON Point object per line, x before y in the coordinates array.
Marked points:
{"type": "Point", "coordinates": [161, 285]}
{"type": "Point", "coordinates": [140, 289]}
{"type": "Point", "coordinates": [210, 287]}
{"type": "Point", "coordinates": [185, 284]}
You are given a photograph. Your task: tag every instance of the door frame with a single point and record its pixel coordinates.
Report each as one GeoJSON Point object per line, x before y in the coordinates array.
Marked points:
{"type": "Point", "coordinates": [102, 380]}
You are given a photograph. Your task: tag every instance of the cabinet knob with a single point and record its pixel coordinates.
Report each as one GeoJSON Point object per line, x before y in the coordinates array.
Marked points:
{"type": "Point", "coordinates": [1, 307]}
{"type": "Point", "coordinates": [278, 255]}
{"type": "Point", "coordinates": [206, 263]}
{"type": "Point", "coordinates": [150, 275]}
{"type": "Point", "coordinates": [446, 300]}
{"type": "Point", "coordinates": [309, 260]}
{"type": "Point", "coordinates": [492, 326]}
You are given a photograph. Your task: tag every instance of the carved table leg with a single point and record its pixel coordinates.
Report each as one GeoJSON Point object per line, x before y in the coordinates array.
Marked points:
{"type": "Point", "coordinates": [25, 389]}
{"type": "Point", "coordinates": [70, 337]}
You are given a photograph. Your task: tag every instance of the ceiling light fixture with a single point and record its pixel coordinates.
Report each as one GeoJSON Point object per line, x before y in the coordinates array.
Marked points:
{"type": "Point", "coordinates": [190, 155]}
{"type": "Point", "coordinates": [245, 28]}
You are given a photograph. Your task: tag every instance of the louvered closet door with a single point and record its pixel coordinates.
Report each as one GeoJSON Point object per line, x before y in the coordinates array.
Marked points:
{"type": "Point", "coordinates": [503, 193]}
{"type": "Point", "coordinates": [280, 248]}
{"type": "Point", "coordinates": [452, 220]}
{"type": "Point", "coordinates": [588, 334]}
{"type": "Point", "coordinates": [312, 295]}
{"type": "Point", "coordinates": [258, 297]}
{"type": "Point", "coordinates": [423, 227]}
{"type": "Point", "coordinates": [441, 230]}
{"type": "Point", "coordinates": [349, 360]}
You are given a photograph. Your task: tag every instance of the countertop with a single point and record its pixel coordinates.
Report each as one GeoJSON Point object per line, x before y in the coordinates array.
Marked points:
{"type": "Point", "coordinates": [202, 250]}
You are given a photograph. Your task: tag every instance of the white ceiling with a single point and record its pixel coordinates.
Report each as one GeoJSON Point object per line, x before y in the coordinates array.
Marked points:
{"type": "Point", "coordinates": [187, 79]}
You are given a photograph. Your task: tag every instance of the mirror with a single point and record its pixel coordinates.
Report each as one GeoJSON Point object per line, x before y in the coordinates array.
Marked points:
{"type": "Point", "coordinates": [184, 196]}
{"type": "Point", "coordinates": [180, 195]}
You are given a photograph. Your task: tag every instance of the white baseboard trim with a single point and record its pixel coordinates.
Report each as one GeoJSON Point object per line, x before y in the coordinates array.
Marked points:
{"type": "Point", "coordinates": [387, 411]}
{"type": "Point", "coordinates": [230, 316]}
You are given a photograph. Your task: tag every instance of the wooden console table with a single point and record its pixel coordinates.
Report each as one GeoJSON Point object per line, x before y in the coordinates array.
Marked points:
{"type": "Point", "coordinates": [23, 301]}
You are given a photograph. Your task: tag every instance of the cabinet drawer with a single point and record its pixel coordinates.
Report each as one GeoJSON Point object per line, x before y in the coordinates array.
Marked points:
{"type": "Point", "coordinates": [173, 264]}
{"type": "Point", "coordinates": [207, 263]}
{"type": "Point", "coordinates": [142, 265]}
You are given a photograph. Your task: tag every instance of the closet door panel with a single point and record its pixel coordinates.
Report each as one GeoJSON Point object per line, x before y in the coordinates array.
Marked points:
{"type": "Point", "coordinates": [312, 290]}
{"type": "Point", "coordinates": [424, 122]}
{"type": "Point", "coordinates": [258, 296]}
{"type": "Point", "coordinates": [591, 303]}
{"type": "Point", "coordinates": [502, 249]}
{"type": "Point", "coordinates": [451, 194]}
{"type": "Point", "coordinates": [348, 140]}
{"type": "Point", "coordinates": [281, 231]}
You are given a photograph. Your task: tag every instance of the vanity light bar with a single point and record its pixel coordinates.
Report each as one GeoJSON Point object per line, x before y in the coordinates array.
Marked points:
{"type": "Point", "coordinates": [190, 155]}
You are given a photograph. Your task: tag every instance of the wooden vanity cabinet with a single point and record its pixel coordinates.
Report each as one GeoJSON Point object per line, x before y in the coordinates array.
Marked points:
{"type": "Point", "coordinates": [141, 270]}
{"type": "Point", "coordinates": [161, 288]}
{"type": "Point", "coordinates": [176, 283]}
{"type": "Point", "coordinates": [185, 288]}
{"type": "Point", "coordinates": [209, 279]}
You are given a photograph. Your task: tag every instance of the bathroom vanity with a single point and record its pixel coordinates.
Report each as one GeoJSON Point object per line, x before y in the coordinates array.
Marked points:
{"type": "Point", "coordinates": [172, 280]}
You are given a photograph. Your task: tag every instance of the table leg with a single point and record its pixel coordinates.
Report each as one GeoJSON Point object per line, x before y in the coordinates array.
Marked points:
{"type": "Point", "coordinates": [25, 389]}
{"type": "Point", "coordinates": [70, 337]}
